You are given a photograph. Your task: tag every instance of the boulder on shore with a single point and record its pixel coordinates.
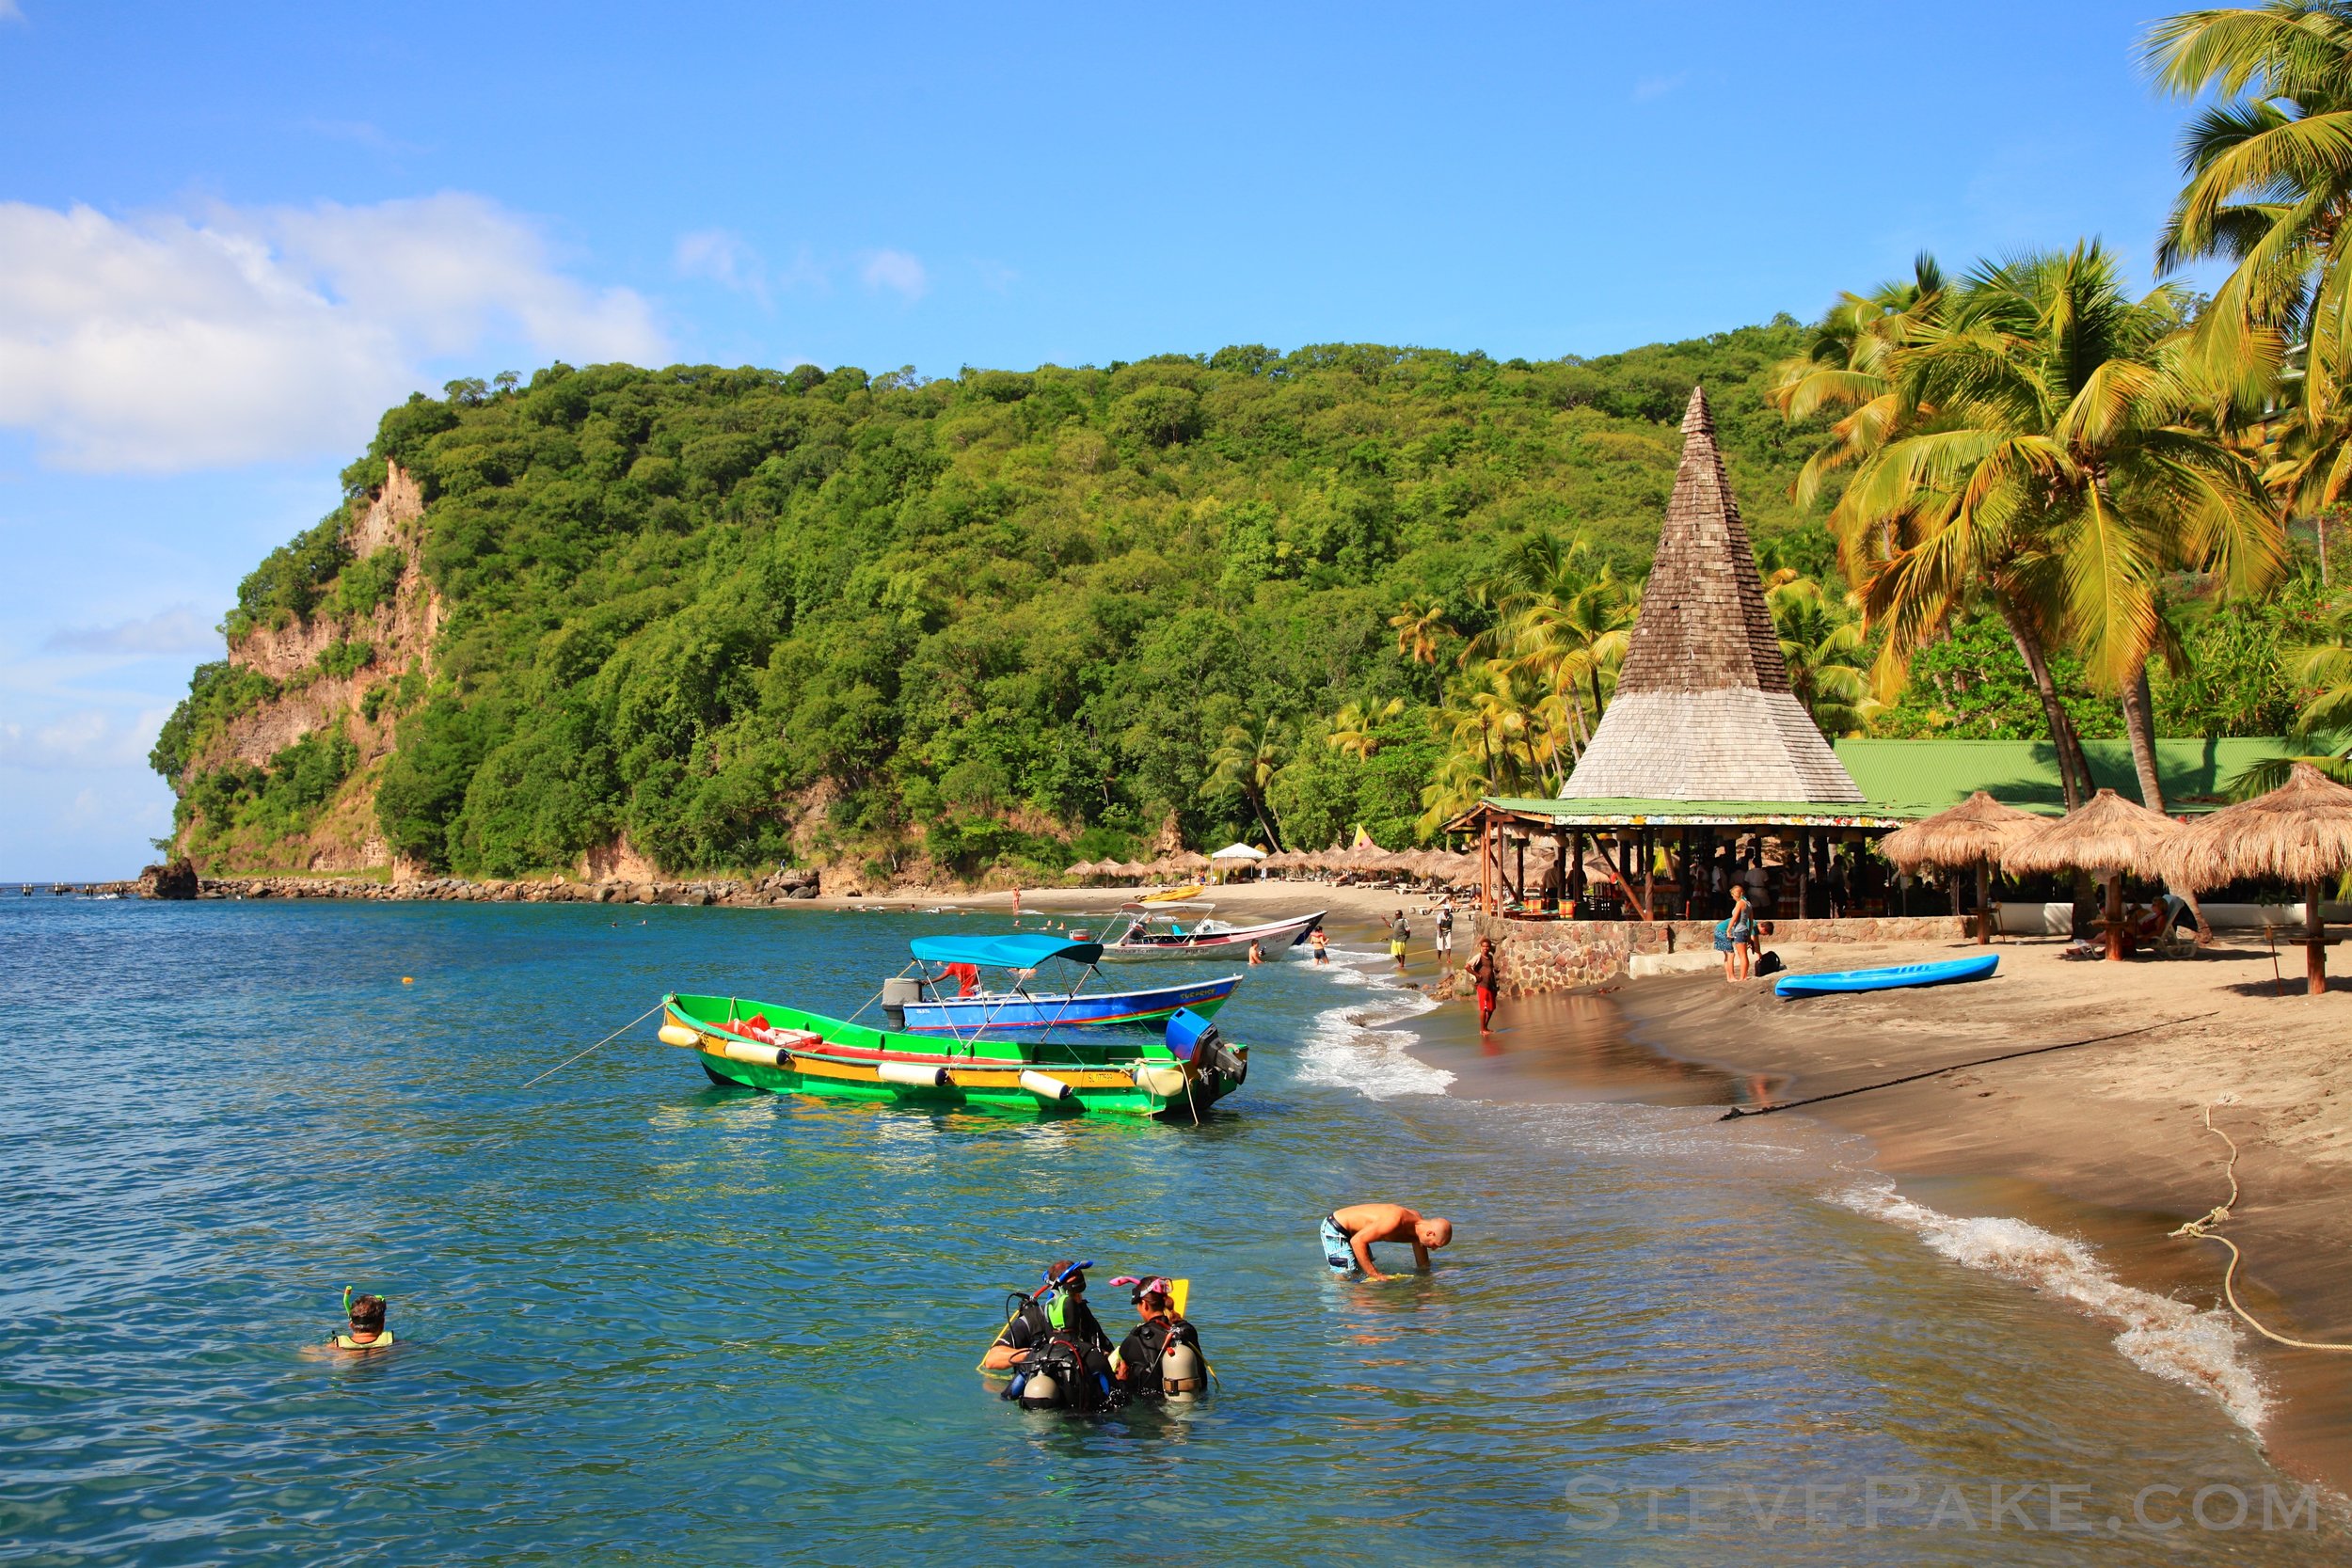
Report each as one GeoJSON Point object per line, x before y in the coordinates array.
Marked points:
{"type": "Point", "coordinates": [171, 879]}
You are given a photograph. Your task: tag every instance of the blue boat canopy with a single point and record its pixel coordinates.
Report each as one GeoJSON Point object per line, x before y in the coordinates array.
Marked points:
{"type": "Point", "coordinates": [1011, 950]}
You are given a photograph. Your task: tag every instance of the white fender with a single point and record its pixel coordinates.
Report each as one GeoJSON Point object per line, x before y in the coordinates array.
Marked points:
{"type": "Point", "coordinates": [1044, 1087]}
{"type": "Point", "coordinates": [912, 1074]}
{"type": "Point", "coordinates": [1166, 1083]}
{"type": "Point", "coordinates": [678, 1034]}
{"type": "Point", "coordinates": [761, 1055]}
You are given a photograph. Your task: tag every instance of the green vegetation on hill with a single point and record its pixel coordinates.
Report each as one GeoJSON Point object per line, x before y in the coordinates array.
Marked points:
{"type": "Point", "coordinates": [977, 617]}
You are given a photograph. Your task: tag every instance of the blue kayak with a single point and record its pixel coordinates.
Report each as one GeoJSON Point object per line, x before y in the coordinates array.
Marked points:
{"type": "Point", "coordinates": [1893, 977]}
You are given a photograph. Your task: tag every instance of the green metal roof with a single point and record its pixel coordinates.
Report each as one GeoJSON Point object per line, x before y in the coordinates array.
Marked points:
{"type": "Point", "coordinates": [1921, 777]}
{"type": "Point", "coordinates": [1903, 779]}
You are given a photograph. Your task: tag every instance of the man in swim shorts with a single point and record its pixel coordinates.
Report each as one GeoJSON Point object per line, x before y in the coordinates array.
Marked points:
{"type": "Point", "coordinates": [1399, 934]}
{"type": "Point", "coordinates": [1347, 1235]}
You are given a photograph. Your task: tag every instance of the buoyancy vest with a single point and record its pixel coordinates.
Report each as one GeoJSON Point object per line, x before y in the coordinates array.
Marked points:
{"type": "Point", "coordinates": [345, 1341]}
{"type": "Point", "coordinates": [1146, 1347]}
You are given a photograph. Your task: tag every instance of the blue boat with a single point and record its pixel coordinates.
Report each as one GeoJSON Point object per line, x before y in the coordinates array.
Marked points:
{"type": "Point", "coordinates": [953, 1001]}
{"type": "Point", "coordinates": [1892, 978]}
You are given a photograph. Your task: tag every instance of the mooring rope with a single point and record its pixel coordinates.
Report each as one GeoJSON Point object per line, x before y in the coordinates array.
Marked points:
{"type": "Point", "coordinates": [607, 1041]}
{"type": "Point", "coordinates": [2203, 1230]}
{"type": "Point", "coordinates": [1739, 1111]}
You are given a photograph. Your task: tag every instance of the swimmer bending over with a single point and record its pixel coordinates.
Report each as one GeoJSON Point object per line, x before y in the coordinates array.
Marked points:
{"type": "Point", "coordinates": [1348, 1234]}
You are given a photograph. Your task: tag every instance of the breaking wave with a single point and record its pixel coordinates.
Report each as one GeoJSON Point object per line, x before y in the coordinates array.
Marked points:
{"type": "Point", "coordinates": [2198, 1348]}
{"type": "Point", "coordinates": [1353, 1046]}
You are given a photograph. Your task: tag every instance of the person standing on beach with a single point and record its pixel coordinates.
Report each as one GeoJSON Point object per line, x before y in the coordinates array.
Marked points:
{"type": "Point", "coordinates": [1399, 933]}
{"type": "Point", "coordinates": [1445, 932]}
{"type": "Point", "coordinates": [1484, 973]}
{"type": "Point", "coordinates": [1349, 1234]}
{"type": "Point", "coordinates": [1320, 945]}
{"type": "Point", "coordinates": [1734, 933]}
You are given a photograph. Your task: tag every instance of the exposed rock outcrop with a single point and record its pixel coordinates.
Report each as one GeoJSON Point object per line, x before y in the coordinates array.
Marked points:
{"type": "Point", "coordinates": [172, 880]}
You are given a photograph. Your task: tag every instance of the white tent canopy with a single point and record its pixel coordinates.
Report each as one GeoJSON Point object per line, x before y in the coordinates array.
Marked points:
{"type": "Point", "coordinates": [1238, 852]}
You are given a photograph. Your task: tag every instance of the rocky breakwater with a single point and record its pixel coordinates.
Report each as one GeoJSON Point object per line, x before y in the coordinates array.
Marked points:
{"type": "Point", "coordinates": [782, 887]}
{"type": "Point", "coordinates": [1561, 955]}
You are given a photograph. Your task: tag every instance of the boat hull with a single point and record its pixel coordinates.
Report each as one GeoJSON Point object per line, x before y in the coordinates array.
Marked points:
{"type": "Point", "coordinates": [1055, 1015]}
{"type": "Point", "coordinates": [830, 1057]}
{"type": "Point", "coordinates": [1892, 978]}
{"type": "Point", "coordinates": [1272, 938]}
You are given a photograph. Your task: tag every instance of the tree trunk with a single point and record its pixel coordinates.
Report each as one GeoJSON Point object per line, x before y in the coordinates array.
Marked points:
{"type": "Point", "coordinates": [2073, 778]}
{"type": "Point", "coordinates": [2314, 942]}
{"type": "Point", "coordinates": [1257, 806]}
{"type": "Point", "coordinates": [2139, 722]}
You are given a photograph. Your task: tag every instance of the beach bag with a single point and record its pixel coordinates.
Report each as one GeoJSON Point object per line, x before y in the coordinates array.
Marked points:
{"type": "Point", "coordinates": [1770, 964]}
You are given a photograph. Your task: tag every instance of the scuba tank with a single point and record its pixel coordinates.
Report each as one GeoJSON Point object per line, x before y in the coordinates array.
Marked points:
{"type": "Point", "coordinates": [1181, 1376]}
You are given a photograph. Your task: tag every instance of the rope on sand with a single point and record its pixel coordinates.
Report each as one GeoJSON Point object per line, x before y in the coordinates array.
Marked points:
{"type": "Point", "coordinates": [2203, 1230]}
{"type": "Point", "coordinates": [1739, 1111]}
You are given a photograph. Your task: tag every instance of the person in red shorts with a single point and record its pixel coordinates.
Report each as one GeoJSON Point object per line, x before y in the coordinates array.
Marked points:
{"type": "Point", "coordinates": [1485, 974]}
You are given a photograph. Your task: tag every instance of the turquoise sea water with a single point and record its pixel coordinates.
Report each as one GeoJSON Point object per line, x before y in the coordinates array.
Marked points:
{"type": "Point", "coordinates": [643, 1319]}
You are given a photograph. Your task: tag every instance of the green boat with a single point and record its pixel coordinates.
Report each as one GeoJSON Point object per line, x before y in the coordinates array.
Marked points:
{"type": "Point", "coordinates": [760, 1045]}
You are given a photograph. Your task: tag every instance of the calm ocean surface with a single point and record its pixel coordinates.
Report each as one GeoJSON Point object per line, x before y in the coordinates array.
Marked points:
{"type": "Point", "coordinates": [647, 1321]}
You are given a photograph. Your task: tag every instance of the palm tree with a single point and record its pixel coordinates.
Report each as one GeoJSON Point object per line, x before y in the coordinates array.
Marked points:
{"type": "Point", "coordinates": [1246, 760]}
{"type": "Point", "coordinates": [1564, 622]}
{"type": "Point", "coordinates": [2269, 169]}
{"type": "Point", "coordinates": [2068, 463]}
{"type": "Point", "coordinates": [1420, 631]}
{"type": "Point", "coordinates": [1820, 647]}
{"type": "Point", "coordinates": [1847, 368]}
{"type": "Point", "coordinates": [1355, 729]}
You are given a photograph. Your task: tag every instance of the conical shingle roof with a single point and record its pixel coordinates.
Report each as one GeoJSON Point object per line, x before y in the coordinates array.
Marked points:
{"type": "Point", "coordinates": [1703, 709]}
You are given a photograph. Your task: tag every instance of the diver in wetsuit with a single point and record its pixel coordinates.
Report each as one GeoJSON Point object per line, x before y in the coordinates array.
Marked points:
{"type": "Point", "coordinates": [1055, 1334]}
{"type": "Point", "coordinates": [1161, 1354]}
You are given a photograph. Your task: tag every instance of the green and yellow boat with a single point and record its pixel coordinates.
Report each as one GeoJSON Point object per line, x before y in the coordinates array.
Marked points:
{"type": "Point", "coordinates": [760, 1045]}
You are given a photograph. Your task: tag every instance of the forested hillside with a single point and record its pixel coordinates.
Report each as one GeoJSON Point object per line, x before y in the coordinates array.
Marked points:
{"type": "Point", "coordinates": [739, 615]}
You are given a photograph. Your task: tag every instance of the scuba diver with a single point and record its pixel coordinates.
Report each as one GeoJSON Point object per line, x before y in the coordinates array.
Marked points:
{"type": "Point", "coordinates": [367, 1325]}
{"type": "Point", "coordinates": [1161, 1357]}
{"type": "Point", "coordinates": [1057, 1353]}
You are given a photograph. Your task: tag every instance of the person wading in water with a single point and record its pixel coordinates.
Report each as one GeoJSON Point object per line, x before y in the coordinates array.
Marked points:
{"type": "Point", "coordinates": [1485, 974]}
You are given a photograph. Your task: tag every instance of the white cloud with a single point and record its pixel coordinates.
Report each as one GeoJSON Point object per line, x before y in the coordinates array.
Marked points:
{"type": "Point", "coordinates": [895, 269]}
{"type": "Point", "coordinates": [717, 255]}
{"type": "Point", "coordinates": [1658, 86]}
{"type": "Point", "coordinates": [174, 342]}
{"type": "Point", "coordinates": [177, 630]}
{"type": "Point", "coordinates": [10, 12]}
{"type": "Point", "coordinates": [88, 737]}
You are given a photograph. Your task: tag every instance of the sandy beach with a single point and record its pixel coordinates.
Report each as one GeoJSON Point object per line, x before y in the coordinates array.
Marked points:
{"type": "Point", "coordinates": [2103, 1142]}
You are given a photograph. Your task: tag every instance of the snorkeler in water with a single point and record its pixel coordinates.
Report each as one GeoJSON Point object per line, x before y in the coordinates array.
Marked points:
{"type": "Point", "coordinates": [367, 1330]}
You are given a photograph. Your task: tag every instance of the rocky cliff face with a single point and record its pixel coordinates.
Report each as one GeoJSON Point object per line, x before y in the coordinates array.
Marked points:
{"type": "Point", "coordinates": [309, 659]}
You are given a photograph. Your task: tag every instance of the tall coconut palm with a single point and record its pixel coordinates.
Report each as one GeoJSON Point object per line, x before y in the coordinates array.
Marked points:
{"type": "Point", "coordinates": [1420, 631]}
{"type": "Point", "coordinates": [1355, 729]}
{"type": "Point", "coordinates": [1246, 761]}
{"type": "Point", "coordinates": [2269, 185]}
{"type": "Point", "coordinates": [1847, 369]}
{"type": "Point", "coordinates": [2070, 447]}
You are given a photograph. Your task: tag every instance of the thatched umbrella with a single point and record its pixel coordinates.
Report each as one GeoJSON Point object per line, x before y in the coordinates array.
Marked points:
{"type": "Point", "coordinates": [2300, 833]}
{"type": "Point", "coordinates": [1132, 870]}
{"type": "Point", "coordinates": [2107, 836]}
{"type": "Point", "coordinates": [1081, 869]}
{"type": "Point", "coordinates": [1191, 860]}
{"type": "Point", "coordinates": [1976, 833]}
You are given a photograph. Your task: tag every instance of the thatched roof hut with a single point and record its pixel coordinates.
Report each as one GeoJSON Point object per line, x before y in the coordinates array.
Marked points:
{"type": "Point", "coordinates": [1081, 869]}
{"type": "Point", "coordinates": [2300, 833]}
{"type": "Point", "coordinates": [2107, 836]}
{"type": "Point", "coordinates": [1976, 833]}
{"type": "Point", "coordinates": [1979, 831]}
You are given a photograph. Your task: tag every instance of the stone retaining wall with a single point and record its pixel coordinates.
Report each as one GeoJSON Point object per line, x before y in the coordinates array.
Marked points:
{"type": "Point", "coordinates": [1556, 955]}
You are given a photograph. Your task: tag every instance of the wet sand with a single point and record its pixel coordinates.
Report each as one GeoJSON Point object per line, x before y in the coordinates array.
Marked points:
{"type": "Point", "coordinates": [2103, 1143]}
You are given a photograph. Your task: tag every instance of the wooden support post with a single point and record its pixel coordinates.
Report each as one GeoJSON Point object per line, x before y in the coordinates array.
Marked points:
{"type": "Point", "coordinates": [1805, 874]}
{"type": "Point", "coordinates": [2314, 942]}
{"type": "Point", "coordinates": [2115, 918]}
{"type": "Point", "coordinates": [1518, 882]}
{"type": "Point", "coordinates": [1649, 875]}
{"type": "Point", "coordinates": [1984, 905]}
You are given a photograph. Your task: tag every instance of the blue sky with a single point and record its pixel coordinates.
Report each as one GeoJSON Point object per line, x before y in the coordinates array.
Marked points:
{"type": "Point", "coordinates": [229, 235]}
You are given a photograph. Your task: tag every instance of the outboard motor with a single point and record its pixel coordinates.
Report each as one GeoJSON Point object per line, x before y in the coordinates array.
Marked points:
{"type": "Point", "coordinates": [896, 992]}
{"type": "Point", "coordinates": [1189, 1033]}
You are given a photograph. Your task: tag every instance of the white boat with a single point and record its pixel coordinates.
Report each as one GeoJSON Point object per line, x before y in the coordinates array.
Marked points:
{"type": "Point", "coordinates": [1167, 936]}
